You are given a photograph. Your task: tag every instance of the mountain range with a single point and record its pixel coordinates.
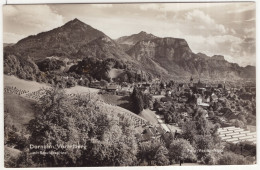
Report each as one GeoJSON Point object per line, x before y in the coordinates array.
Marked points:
{"type": "Point", "coordinates": [166, 57]}
{"type": "Point", "coordinates": [126, 42]}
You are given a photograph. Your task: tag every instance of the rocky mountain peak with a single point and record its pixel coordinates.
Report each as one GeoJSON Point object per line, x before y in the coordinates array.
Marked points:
{"type": "Point", "coordinates": [218, 57]}
{"type": "Point", "coordinates": [76, 20]}
{"type": "Point", "coordinates": [143, 33]}
{"type": "Point", "coordinates": [62, 41]}
{"type": "Point", "coordinates": [75, 23]}
{"type": "Point", "coordinates": [134, 38]}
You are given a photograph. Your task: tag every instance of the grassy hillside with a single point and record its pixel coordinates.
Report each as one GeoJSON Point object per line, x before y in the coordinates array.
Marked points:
{"type": "Point", "coordinates": [121, 101]}
{"type": "Point", "coordinates": [10, 153]}
{"type": "Point", "coordinates": [23, 84]}
{"type": "Point", "coordinates": [20, 109]}
{"type": "Point", "coordinates": [32, 86]}
{"type": "Point", "coordinates": [149, 115]}
{"type": "Point", "coordinates": [109, 108]}
{"type": "Point", "coordinates": [81, 90]}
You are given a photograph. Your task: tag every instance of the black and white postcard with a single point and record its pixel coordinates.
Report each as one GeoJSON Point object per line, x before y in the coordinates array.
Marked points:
{"type": "Point", "coordinates": [129, 84]}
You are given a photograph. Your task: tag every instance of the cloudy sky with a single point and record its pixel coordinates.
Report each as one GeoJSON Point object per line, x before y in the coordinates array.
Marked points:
{"type": "Point", "coordinates": [212, 28]}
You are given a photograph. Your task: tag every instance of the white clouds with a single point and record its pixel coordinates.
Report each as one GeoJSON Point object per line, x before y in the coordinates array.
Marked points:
{"type": "Point", "coordinates": [178, 6]}
{"type": "Point", "coordinates": [242, 7]}
{"type": "Point", "coordinates": [234, 49]}
{"type": "Point", "coordinates": [226, 39]}
{"type": "Point", "coordinates": [203, 20]}
{"type": "Point", "coordinates": [251, 19]}
{"type": "Point", "coordinates": [249, 30]}
{"type": "Point", "coordinates": [221, 28]}
{"type": "Point", "coordinates": [199, 16]}
{"type": "Point", "coordinates": [232, 31]}
{"type": "Point", "coordinates": [12, 37]}
{"type": "Point", "coordinates": [30, 19]}
{"type": "Point", "coordinates": [248, 20]}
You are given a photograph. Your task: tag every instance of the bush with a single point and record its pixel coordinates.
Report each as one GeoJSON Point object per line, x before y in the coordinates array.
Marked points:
{"type": "Point", "coordinates": [181, 149]}
{"type": "Point", "coordinates": [154, 153]}
{"type": "Point", "coordinates": [230, 158]}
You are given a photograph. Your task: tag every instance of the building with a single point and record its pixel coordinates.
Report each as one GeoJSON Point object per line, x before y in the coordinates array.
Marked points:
{"type": "Point", "coordinates": [201, 90]}
{"type": "Point", "coordinates": [191, 82]}
{"type": "Point", "coordinates": [201, 103]}
{"type": "Point", "coordinates": [95, 84]}
{"type": "Point", "coordinates": [112, 88]}
{"type": "Point", "coordinates": [150, 133]}
{"type": "Point", "coordinates": [200, 85]}
{"type": "Point", "coordinates": [183, 99]}
{"type": "Point", "coordinates": [214, 97]}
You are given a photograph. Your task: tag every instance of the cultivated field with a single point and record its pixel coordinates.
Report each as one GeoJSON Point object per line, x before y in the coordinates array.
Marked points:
{"type": "Point", "coordinates": [22, 106]}
{"type": "Point", "coordinates": [121, 101]}
{"type": "Point", "coordinates": [149, 115]}
{"type": "Point", "coordinates": [81, 90]}
{"type": "Point", "coordinates": [23, 84]}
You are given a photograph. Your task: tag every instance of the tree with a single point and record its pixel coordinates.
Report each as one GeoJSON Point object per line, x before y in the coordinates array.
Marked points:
{"type": "Point", "coordinates": [204, 146]}
{"type": "Point", "coordinates": [181, 149]}
{"type": "Point", "coordinates": [153, 152]}
{"type": "Point", "coordinates": [137, 100]}
{"type": "Point", "coordinates": [14, 137]}
{"type": "Point", "coordinates": [96, 68]}
{"type": "Point", "coordinates": [191, 99]}
{"type": "Point", "coordinates": [220, 86]}
{"type": "Point", "coordinates": [103, 83]}
{"type": "Point", "coordinates": [70, 83]}
{"type": "Point", "coordinates": [211, 113]}
{"type": "Point", "coordinates": [245, 148]}
{"type": "Point", "coordinates": [195, 90]}
{"type": "Point", "coordinates": [170, 84]}
{"type": "Point", "coordinates": [107, 140]}
{"type": "Point", "coordinates": [147, 100]}
{"type": "Point", "coordinates": [162, 85]}
{"type": "Point", "coordinates": [230, 158]}
{"type": "Point", "coordinates": [242, 118]}
{"type": "Point", "coordinates": [189, 131]}
{"type": "Point", "coordinates": [237, 123]}
{"type": "Point", "coordinates": [161, 157]}
{"type": "Point", "coordinates": [251, 119]}
{"type": "Point", "coordinates": [115, 149]}
{"type": "Point", "coordinates": [156, 105]}
{"type": "Point", "coordinates": [211, 158]}
{"type": "Point", "coordinates": [203, 135]}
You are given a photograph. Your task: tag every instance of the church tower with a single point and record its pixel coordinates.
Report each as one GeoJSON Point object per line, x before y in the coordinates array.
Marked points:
{"type": "Point", "coordinates": [191, 81]}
